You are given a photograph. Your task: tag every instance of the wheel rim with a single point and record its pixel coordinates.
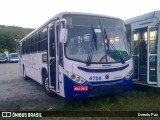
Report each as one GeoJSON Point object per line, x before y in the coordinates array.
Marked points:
{"type": "Point", "coordinates": [46, 84]}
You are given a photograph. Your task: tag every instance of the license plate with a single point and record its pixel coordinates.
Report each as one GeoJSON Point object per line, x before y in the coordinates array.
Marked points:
{"type": "Point", "coordinates": [80, 88]}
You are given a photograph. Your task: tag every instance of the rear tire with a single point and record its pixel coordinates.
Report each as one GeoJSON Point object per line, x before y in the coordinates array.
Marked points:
{"type": "Point", "coordinates": [24, 74]}
{"type": "Point", "coordinates": [46, 85]}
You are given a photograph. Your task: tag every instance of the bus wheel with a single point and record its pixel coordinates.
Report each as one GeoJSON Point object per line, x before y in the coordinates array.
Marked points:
{"type": "Point", "coordinates": [24, 74]}
{"type": "Point", "coordinates": [46, 85]}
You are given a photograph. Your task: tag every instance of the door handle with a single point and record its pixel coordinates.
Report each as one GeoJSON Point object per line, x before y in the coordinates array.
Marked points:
{"type": "Point", "coordinates": [52, 60]}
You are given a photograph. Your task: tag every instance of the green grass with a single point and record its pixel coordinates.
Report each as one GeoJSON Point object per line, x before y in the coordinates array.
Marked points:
{"type": "Point", "coordinates": [129, 101]}
{"type": "Point", "coordinates": [146, 100]}
{"type": "Point", "coordinates": [11, 106]}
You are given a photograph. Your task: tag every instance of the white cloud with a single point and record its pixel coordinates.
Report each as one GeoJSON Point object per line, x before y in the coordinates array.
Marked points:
{"type": "Point", "coordinates": [33, 13]}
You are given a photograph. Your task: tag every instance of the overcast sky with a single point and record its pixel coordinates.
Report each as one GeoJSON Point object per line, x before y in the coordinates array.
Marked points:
{"type": "Point", "coordinates": [33, 13]}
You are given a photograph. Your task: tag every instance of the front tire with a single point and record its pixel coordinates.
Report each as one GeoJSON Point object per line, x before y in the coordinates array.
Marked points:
{"type": "Point", "coordinates": [46, 85]}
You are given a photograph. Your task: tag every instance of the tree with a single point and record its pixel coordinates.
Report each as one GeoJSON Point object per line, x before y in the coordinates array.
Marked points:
{"type": "Point", "coordinates": [9, 35]}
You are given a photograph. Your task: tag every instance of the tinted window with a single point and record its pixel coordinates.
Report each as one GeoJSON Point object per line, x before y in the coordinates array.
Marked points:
{"type": "Point", "coordinates": [43, 40]}
{"type": "Point", "coordinates": [34, 45]}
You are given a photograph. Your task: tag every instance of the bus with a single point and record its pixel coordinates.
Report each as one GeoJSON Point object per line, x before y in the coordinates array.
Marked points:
{"type": "Point", "coordinates": [3, 58]}
{"type": "Point", "coordinates": [78, 55]}
{"type": "Point", "coordinates": [13, 57]}
{"type": "Point", "coordinates": [145, 48]}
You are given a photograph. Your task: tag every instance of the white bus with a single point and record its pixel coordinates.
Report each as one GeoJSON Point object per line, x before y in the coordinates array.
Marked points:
{"type": "Point", "coordinates": [3, 58]}
{"type": "Point", "coordinates": [13, 57]}
{"type": "Point", "coordinates": [77, 55]}
{"type": "Point", "coordinates": [145, 48]}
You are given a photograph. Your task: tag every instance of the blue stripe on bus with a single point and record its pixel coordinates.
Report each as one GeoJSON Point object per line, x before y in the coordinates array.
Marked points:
{"type": "Point", "coordinates": [96, 90]}
{"type": "Point", "coordinates": [102, 70]}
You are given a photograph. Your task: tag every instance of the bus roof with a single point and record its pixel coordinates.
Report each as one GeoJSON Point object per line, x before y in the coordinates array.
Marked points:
{"type": "Point", "coordinates": [60, 15]}
{"type": "Point", "coordinates": [154, 14]}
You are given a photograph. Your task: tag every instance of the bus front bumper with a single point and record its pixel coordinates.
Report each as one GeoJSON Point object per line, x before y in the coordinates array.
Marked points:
{"type": "Point", "coordinates": [3, 61]}
{"type": "Point", "coordinates": [95, 89]}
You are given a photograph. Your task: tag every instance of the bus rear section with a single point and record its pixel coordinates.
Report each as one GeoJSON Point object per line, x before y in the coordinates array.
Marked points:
{"type": "Point", "coordinates": [145, 48]}
{"type": "Point", "coordinates": [84, 55]}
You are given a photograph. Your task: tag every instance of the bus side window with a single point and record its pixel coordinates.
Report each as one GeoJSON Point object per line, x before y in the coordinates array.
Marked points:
{"type": "Point", "coordinates": [153, 38]}
{"type": "Point", "coordinates": [28, 46]}
{"type": "Point", "coordinates": [23, 47]}
{"type": "Point", "coordinates": [34, 43]}
{"type": "Point", "coordinates": [42, 43]}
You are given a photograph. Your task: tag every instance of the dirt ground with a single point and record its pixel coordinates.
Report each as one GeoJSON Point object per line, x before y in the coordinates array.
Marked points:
{"type": "Point", "coordinates": [16, 93]}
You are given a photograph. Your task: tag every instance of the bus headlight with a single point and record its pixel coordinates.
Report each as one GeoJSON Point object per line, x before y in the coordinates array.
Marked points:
{"type": "Point", "coordinates": [75, 77]}
{"type": "Point", "coordinates": [72, 76]}
{"type": "Point", "coordinates": [78, 79]}
{"type": "Point", "coordinates": [128, 74]}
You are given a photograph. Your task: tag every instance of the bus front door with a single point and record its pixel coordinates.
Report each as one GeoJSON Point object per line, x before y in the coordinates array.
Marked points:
{"type": "Point", "coordinates": [144, 52]}
{"type": "Point", "coordinates": [152, 55]}
{"type": "Point", "coordinates": [135, 55]}
{"type": "Point", "coordinates": [52, 58]}
{"type": "Point", "coordinates": [139, 52]}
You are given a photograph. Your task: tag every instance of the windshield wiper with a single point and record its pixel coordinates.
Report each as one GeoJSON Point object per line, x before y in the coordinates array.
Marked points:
{"type": "Point", "coordinates": [92, 45]}
{"type": "Point", "coordinates": [109, 43]}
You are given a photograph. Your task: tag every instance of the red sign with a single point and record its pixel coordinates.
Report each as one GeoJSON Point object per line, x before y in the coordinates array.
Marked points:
{"type": "Point", "coordinates": [80, 88]}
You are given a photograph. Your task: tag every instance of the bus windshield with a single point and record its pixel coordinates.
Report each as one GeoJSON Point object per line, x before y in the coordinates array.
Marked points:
{"type": "Point", "coordinates": [14, 56]}
{"type": "Point", "coordinates": [2, 56]}
{"type": "Point", "coordinates": [80, 37]}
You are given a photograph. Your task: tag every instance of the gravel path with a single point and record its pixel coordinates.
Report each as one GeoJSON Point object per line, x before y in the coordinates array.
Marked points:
{"type": "Point", "coordinates": [16, 93]}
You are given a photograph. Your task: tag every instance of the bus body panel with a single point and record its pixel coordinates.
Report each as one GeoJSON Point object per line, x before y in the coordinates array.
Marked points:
{"type": "Point", "coordinates": [119, 74]}
{"type": "Point", "coordinates": [34, 65]}
{"type": "Point", "coordinates": [158, 58]}
{"type": "Point", "coordinates": [144, 17]}
{"type": "Point", "coordinates": [61, 81]}
{"type": "Point", "coordinates": [146, 23]}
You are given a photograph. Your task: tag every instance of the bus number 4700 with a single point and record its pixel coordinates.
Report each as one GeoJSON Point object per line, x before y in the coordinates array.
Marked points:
{"type": "Point", "coordinates": [95, 78]}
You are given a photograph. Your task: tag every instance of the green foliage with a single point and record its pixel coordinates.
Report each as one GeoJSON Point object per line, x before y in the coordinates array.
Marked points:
{"type": "Point", "coordinates": [11, 106]}
{"type": "Point", "coordinates": [129, 101]}
{"type": "Point", "coordinates": [9, 35]}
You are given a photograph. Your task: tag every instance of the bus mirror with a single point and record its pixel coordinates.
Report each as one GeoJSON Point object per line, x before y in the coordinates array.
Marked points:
{"type": "Point", "coordinates": [63, 35]}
